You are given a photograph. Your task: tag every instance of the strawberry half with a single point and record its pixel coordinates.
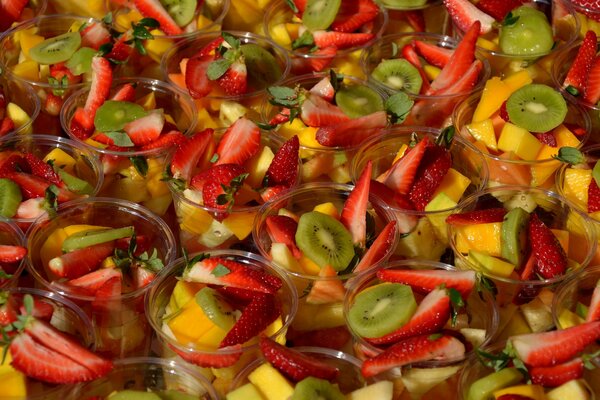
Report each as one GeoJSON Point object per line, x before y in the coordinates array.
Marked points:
{"type": "Point", "coordinates": [354, 213]}
{"type": "Point", "coordinates": [94, 35]}
{"type": "Point", "coordinates": [352, 132]}
{"type": "Point", "coordinates": [487, 216]}
{"type": "Point", "coordinates": [102, 76]}
{"type": "Point", "coordinates": [433, 167]}
{"type": "Point", "coordinates": [235, 80]}
{"type": "Point", "coordinates": [196, 80]}
{"type": "Point", "coordinates": [499, 8]}
{"type": "Point", "coordinates": [578, 73]}
{"type": "Point", "coordinates": [464, 14]}
{"type": "Point", "coordinates": [154, 9]}
{"type": "Point", "coordinates": [125, 93]}
{"type": "Point", "coordinates": [43, 170]}
{"type": "Point", "coordinates": [551, 257]}
{"type": "Point", "coordinates": [239, 142]}
{"type": "Point", "coordinates": [94, 280]}
{"type": "Point", "coordinates": [379, 248]}
{"type": "Point", "coordinates": [558, 374]}
{"type": "Point", "coordinates": [188, 154]}
{"type": "Point", "coordinates": [11, 254]}
{"type": "Point", "coordinates": [35, 187]}
{"type": "Point", "coordinates": [10, 11]}
{"type": "Point", "coordinates": [323, 88]}
{"type": "Point", "coordinates": [258, 315]}
{"type": "Point", "coordinates": [424, 281]}
{"type": "Point", "coordinates": [8, 309]}
{"type": "Point", "coordinates": [282, 229]}
{"type": "Point", "coordinates": [401, 175]}
{"type": "Point", "coordinates": [146, 129]}
{"type": "Point", "coordinates": [434, 55]}
{"type": "Point", "coordinates": [80, 262]}
{"type": "Point", "coordinates": [221, 186]}
{"type": "Point", "coordinates": [317, 112]}
{"type": "Point", "coordinates": [283, 169]}
{"type": "Point", "coordinates": [591, 92]}
{"type": "Point", "coordinates": [593, 197]}
{"type": "Point", "coordinates": [208, 360]}
{"type": "Point", "coordinates": [169, 139]}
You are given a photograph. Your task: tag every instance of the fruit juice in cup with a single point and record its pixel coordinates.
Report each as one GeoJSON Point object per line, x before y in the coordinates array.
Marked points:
{"type": "Point", "coordinates": [316, 55]}
{"type": "Point", "coordinates": [588, 15]}
{"type": "Point", "coordinates": [282, 233]}
{"type": "Point", "coordinates": [39, 170]}
{"type": "Point", "coordinates": [15, 13]}
{"type": "Point", "coordinates": [421, 218]}
{"type": "Point", "coordinates": [405, 16]}
{"type": "Point", "coordinates": [424, 298]}
{"type": "Point", "coordinates": [134, 162]}
{"type": "Point", "coordinates": [530, 42]}
{"type": "Point", "coordinates": [13, 250]}
{"type": "Point", "coordinates": [19, 107]}
{"type": "Point", "coordinates": [247, 64]}
{"type": "Point", "coordinates": [102, 272]}
{"type": "Point", "coordinates": [354, 98]}
{"type": "Point", "coordinates": [435, 71]}
{"type": "Point", "coordinates": [519, 143]}
{"type": "Point", "coordinates": [62, 315]}
{"type": "Point", "coordinates": [208, 309]}
{"type": "Point", "coordinates": [146, 378]}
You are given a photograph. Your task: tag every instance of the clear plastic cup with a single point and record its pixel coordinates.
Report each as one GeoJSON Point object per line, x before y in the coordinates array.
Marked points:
{"type": "Point", "coordinates": [24, 96]}
{"type": "Point", "coordinates": [11, 234]}
{"type": "Point", "coordinates": [121, 326]}
{"type": "Point", "coordinates": [147, 374]}
{"type": "Point", "coordinates": [571, 294]}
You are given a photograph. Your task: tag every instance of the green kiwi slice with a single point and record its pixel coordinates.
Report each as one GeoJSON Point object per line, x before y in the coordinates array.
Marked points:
{"type": "Point", "coordinates": [381, 309]}
{"type": "Point", "coordinates": [216, 308]}
{"type": "Point", "coordinates": [182, 11]}
{"type": "Point", "coordinates": [324, 240]}
{"type": "Point", "coordinates": [89, 238]}
{"type": "Point", "coordinates": [398, 74]}
{"type": "Point", "coordinates": [536, 107]}
{"type": "Point", "coordinates": [114, 115]}
{"type": "Point", "coordinates": [74, 184]}
{"type": "Point", "coordinates": [10, 198]}
{"type": "Point", "coordinates": [358, 100]}
{"type": "Point", "coordinates": [263, 68]}
{"type": "Point", "coordinates": [319, 14]}
{"type": "Point", "coordinates": [514, 236]}
{"type": "Point", "coordinates": [81, 61]}
{"type": "Point", "coordinates": [528, 33]}
{"type": "Point", "coordinates": [315, 388]}
{"type": "Point", "coordinates": [56, 49]}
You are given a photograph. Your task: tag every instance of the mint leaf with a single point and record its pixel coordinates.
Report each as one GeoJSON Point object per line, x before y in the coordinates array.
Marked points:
{"type": "Point", "coordinates": [120, 139]}
{"type": "Point", "coordinates": [217, 69]}
{"type": "Point", "coordinates": [398, 106]}
{"type": "Point", "coordinates": [140, 164]}
{"type": "Point", "coordinates": [231, 40]}
{"type": "Point", "coordinates": [570, 155]}
{"type": "Point", "coordinates": [282, 92]}
{"type": "Point", "coordinates": [305, 40]}
{"type": "Point", "coordinates": [510, 19]}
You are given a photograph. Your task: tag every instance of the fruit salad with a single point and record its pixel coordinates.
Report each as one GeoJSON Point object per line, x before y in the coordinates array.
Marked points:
{"type": "Point", "coordinates": [305, 373]}
{"type": "Point", "coordinates": [578, 299]}
{"type": "Point", "coordinates": [131, 124]}
{"type": "Point", "coordinates": [19, 108]}
{"type": "Point", "coordinates": [421, 175]}
{"type": "Point", "coordinates": [396, 306]}
{"type": "Point", "coordinates": [104, 254]}
{"type": "Point", "coordinates": [519, 127]}
{"type": "Point", "coordinates": [321, 35]}
{"type": "Point", "coordinates": [18, 11]}
{"type": "Point", "coordinates": [12, 253]}
{"type": "Point", "coordinates": [46, 342]}
{"type": "Point", "coordinates": [435, 71]}
{"type": "Point", "coordinates": [588, 15]}
{"type": "Point", "coordinates": [517, 34]}
{"type": "Point", "coordinates": [226, 74]}
{"type": "Point", "coordinates": [219, 181]}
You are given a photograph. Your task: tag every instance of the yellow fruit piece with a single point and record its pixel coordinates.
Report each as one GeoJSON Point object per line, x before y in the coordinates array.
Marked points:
{"type": "Point", "coordinates": [535, 392]}
{"type": "Point", "coordinates": [129, 189]}
{"type": "Point", "coordinates": [240, 223]}
{"type": "Point", "coordinates": [564, 137]}
{"type": "Point", "coordinates": [541, 172]}
{"type": "Point", "coordinates": [516, 325]}
{"type": "Point", "coordinates": [205, 120]}
{"type": "Point", "coordinates": [431, 72]}
{"type": "Point", "coordinates": [308, 138]}
{"type": "Point", "coordinates": [157, 46]}
{"type": "Point", "coordinates": [490, 265]}
{"type": "Point", "coordinates": [309, 266]}
{"type": "Point", "coordinates": [212, 337]}
{"type": "Point", "coordinates": [440, 201]}
{"type": "Point", "coordinates": [52, 247]}
{"type": "Point", "coordinates": [400, 153]}
{"type": "Point", "coordinates": [520, 141]}
{"type": "Point", "coordinates": [148, 101]}
{"type": "Point", "coordinates": [124, 20]}
{"type": "Point", "coordinates": [329, 209]}
{"type": "Point", "coordinates": [271, 384]}
{"type": "Point", "coordinates": [194, 220]}
{"type": "Point", "coordinates": [190, 324]}
{"type": "Point", "coordinates": [108, 262]}
{"type": "Point", "coordinates": [158, 205]}
{"type": "Point", "coordinates": [453, 185]}
{"type": "Point", "coordinates": [203, 22]}
{"type": "Point", "coordinates": [487, 44]}
{"type": "Point", "coordinates": [575, 186]}
{"type": "Point", "coordinates": [290, 129]}
{"type": "Point", "coordinates": [280, 35]}
{"type": "Point", "coordinates": [183, 292]}
{"type": "Point", "coordinates": [245, 392]}
{"type": "Point", "coordinates": [14, 385]}
{"type": "Point", "coordinates": [273, 328]}
{"type": "Point", "coordinates": [73, 229]}
{"type": "Point", "coordinates": [258, 165]}
{"type": "Point", "coordinates": [318, 316]}
{"type": "Point", "coordinates": [283, 258]}
{"type": "Point", "coordinates": [563, 237]}
{"type": "Point", "coordinates": [156, 186]}
{"type": "Point", "coordinates": [495, 92]}
{"type": "Point", "coordinates": [18, 116]}
{"type": "Point", "coordinates": [92, 142]}
{"type": "Point", "coordinates": [481, 237]}
{"type": "Point", "coordinates": [575, 389]}
{"type": "Point", "coordinates": [61, 159]}
{"type": "Point", "coordinates": [568, 319]}
{"type": "Point", "coordinates": [484, 131]}
{"type": "Point", "coordinates": [29, 39]}
{"type": "Point", "coordinates": [518, 80]}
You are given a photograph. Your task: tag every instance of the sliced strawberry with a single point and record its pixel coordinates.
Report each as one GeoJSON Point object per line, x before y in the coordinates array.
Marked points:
{"type": "Point", "coordinates": [32, 208]}
{"type": "Point", "coordinates": [94, 35]}
{"type": "Point", "coordinates": [282, 229]}
{"type": "Point", "coordinates": [499, 8]}
{"type": "Point", "coordinates": [281, 117]}
{"type": "Point", "coordinates": [409, 53]}
{"type": "Point", "coordinates": [81, 125]}
{"type": "Point", "coordinates": [397, 202]}
{"type": "Point", "coordinates": [209, 49]}
{"type": "Point", "coordinates": [102, 76]}
{"type": "Point", "coordinates": [593, 197]}
{"type": "Point", "coordinates": [41, 310]}
{"type": "Point", "coordinates": [33, 186]}
{"type": "Point", "coordinates": [39, 168]}
{"type": "Point", "coordinates": [235, 80]}
{"type": "Point", "coordinates": [294, 364]}
{"type": "Point", "coordinates": [401, 175]}
{"type": "Point", "coordinates": [154, 9]}
{"type": "Point", "coordinates": [107, 304]}
{"type": "Point", "coordinates": [10, 11]}
{"type": "Point", "coordinates": [487, 216]}
{"type": "Point", "coordinates": [221, 186]}
{"type": "Point", "coordinates": [6, 126]}
{"type": "Point", "coordinates": [142, 277]}
{"type": "Point", "coordinates": [556, 347]}
{"type": "Point", "coordinates": [196, 80]}
{"type": "Point", "coordinates": [239, 142]}
{"type": "Point", "coordinates": [125, 93]}
{"type": "Point", "coordinates": [464, 14]}
{"type": "Point", "coordinates": [412, 350]}
{"type": "Point", "coordinates": [434, 55]}
{"type": "Point", "coordinates": [558, 374]}
{"type": "Point", "coordinates": [8, 309]}
{"type": "Point", "coordinates": [80, 262]}
{"type": "Point", "coordinates": [352, 132]}
{"type": "Point", "coordinates": [323, 88]}
{"type": "Point", "coordinates": [434, 166]}
{"type": "Point", "coordinates": [52, 104]}
{"type": "Point", "coordinates": [272, 192]}
{"type": "Point", "coordinates": [13, 162]}
{"type": "Point", "coordinates": [463, 85]}
{"type": "Point", "coordinates": [591, 92]}
{"type": "Point", "coordinates": [210, 360]}
{"type": "Point", "coordinates": [92, 281]}
{"type": "Point", "coordinates": [146, 129]}
{"type": "Point", "coordinates": [142, 243]}
{"type": "Point", "coordinates": [11, 254]}
{"type": "Point", "coordinates": [168, 140]}
{"type": "Point", "coordinates": [258, 315]}
{"type": "Point", "coordinates": [381, 246]}
{"type": "Point", "coordinates": [122, 48]}
{"type": "Point", "coordinates": [588, 7]}
{"type": "Point", "coordinates": [594, 308]}
{"type": "Point", "coordinates": [551, 257]}
{"type": "Point", "coordinates": [424, 281]}
{"type": "Point", "coordinates": [188, 154]}
{"type": "Point", "coordinates": [320, 60]}
{"type": "Point", "coordinates": [578, 73]}
{"type": "Point", "coordinates": [283, 169]}
{"type": "Point", "coordinates": [547, 138]}
{"type": "Point", "coordinates": [317, 112]}
{"type": "Point", "coordinates": [354, 14]}
{"type": "Point", "coordinates": [331, 338]}
{"type": "Point", "coordinates": [354, 213]}
{"type": "Point", "coordinates": [341, 40]}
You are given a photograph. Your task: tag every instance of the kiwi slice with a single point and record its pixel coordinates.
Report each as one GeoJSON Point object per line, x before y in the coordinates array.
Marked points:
{"type": "Point", "coordinates": [114, 115]}
{"type": "Point", "coordinates": [319, 14]}
{"type": "Point", "coordinates": [56, 49]}
{"type": "Point", "coordinates": [536, 107]}
{"type": "Point", "coordinates": [216, 308]}
{"type": "Point", "coordinates": [81, 61]}
{"type": "Point", "coordinates": [88, 238]}
{"type": "Point", "coordinates": [381, 309]}
{"type": "Point", "coordinates": [514, 236]}
{"type": "Point", "coordinates": [529, 33]}
{"type": "Point", "coordinates": [263, 68]}
{"type": "Point", "coordinates": [398, 74]}
{"type": "Point", "coordinates": [358, 100]}
{"type": "Point", "coordinates": [74, 184]}
{"type": "Point", "coordinates": [324, 240]}
{"type": "Point", "coordinates": [182, 11]}
{"type": "Point", "coordinates": [315, 388]}
{"type": "Point", "coordinates": [10, 198]}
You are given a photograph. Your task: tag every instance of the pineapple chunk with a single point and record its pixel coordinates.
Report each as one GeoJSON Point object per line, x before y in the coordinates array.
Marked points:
{"type": "Point", "coordinates": [573, 389]}
{"type": "Point", "coordinates": [328, 209]}
{"type": "Point", "coordinates": [246, 392]}
{"type": "Point", "coordinates": [382, 390]}
{"type": "Point", "coordinates": [419, 381]}
{"type": "Point", "coordinates": [575, 186]}
{"type": "Point", "coordinates": [271, 384]}
{"type": "Point", "coordinates": [537, 315]}
{"type": "Point", "coordinates": [520, 141]}
{"type": "Point", "coordinates": [453, 185]}
{"type": "Point", "coordinates": [484, 132]}
{"type": "Point", "coordinates": [257, 166]}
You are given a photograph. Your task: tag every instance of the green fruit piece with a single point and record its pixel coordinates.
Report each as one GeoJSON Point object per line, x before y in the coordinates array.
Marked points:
{"type": "Point", "coordinates": [581, 310]}
{"type": "Point", "coordinates": [216, 308]}
{"type": "Point", "coordinates": [514, 236]}
{"type": "Point", "coordinates": [182, 11]}
{"type": "Point", "coordinates": [398, 74]}
{"type": "Point", "coordinates": [89, 238]}
{"type": "Point", "coordinates": [314, 388]}
{"type": "Point", "coordinates": [537, 108]}
{"type": "Point", "coordinates": [483, 388]}
{"type": "Point", "coordinates": [381, 309]}
{"type": "Point", "coordinates": [263, 69]}
{"type": "Point", "coordinates": [490, 265]}
{"type": "Point", "coordinates": [81, 61]}
{"type": "Point", "coordinates": [129, 394]}
{"type": "Point", "coordinates": [114, 115]}
{"type": "Point", "coordinates": [319, 14]}
{"type": "Point", "coordinates": [74, 184]}
{"type": "Point", "coordinates": [325, 240]}
{"type": "Point", "coordinates": [358, 100]}
{"type": "Point", "coordinates": [176, 395]}
{"type": "Point", "coordinates": [10, 198]}
{"type": "Point", "coordinates": [529, 34]}
{"type": "Point", "coordinates": [404, 3]}
{"type": "Point", "coordinates": [56, 49]}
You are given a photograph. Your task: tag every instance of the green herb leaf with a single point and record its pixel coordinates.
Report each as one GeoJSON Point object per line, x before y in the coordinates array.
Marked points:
{"type": "Point", "coordinates": [596, 173]}
{"type": "Point", "coordinates": [4, 275]}
{"type": "Point", "coordinates": [435, 336]}
{"type": "Point", "coordinates": [28, 303]}
{"type": "Point", "coordinates": [148, 22]}
{"type": "Point", "coordinates": [231, 40]}
{"type": "Point", "coordinates": [496, 361]}
{"type": "Point", "coordinates": [220, 270]}
{"type": "Point", "coordinates": [120, 138]}
{"type": "Point", "coordinates": [105, 49]}
{"type": "Point", "coordinates": [510, 19]}
{"type": "Point", "coordinates": [446, 136]}
{"type": "Point", "coordinates": [51, 200]}
{"type": "Point", "coordinates": [140, 164]}
{"type": "Point", "coordinates": [214, 158]}
{"type": "Point", "coordinates": [570, 155]}
{"type": "Point", "coordinates": [572, 90]}
{"type": "Point", "coordinates": [457, 303]}
{"type": "Point", "coordinates": [264, 126]}
{"type": "Point", "coordinates": [217, 69]}
{"type": "Point", "coordinates": [305, 40]}
{"type": "Point", "coordinates": [291, 4]}
{"type": "Point", "coordinates": [108, 19]}
{"type": "Point", "coordinates": [398, 106]}
{"type": "Point", "coordinates": [282, 92]}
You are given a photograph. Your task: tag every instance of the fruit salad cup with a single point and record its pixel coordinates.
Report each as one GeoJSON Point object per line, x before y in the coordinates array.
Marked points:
{"type": "Point", "coordinates": [132, 136]}
{"type": "Point", "coordinates": [21, 11]}
{"type": "Point", "coordinates": [341, 33]}
{"type": "Point", "coordinates": [423, 298]}
{"type": "Point", "coordinates": [514, 36]}
{"type": "Point", "coordinates": [421, 214]}
{"type": "Point", "coordinates": [242, 64]}
{"type": "Point", "coordinates": [19, 107]}
{"type": "Point", "coordinates": [103, 254]}
{"type": "Point", "coordinates": [209, 309]}
{"type": "Point", "coordinates": [519, 127]}
{"type": "Point", "coordinates": [406, 16]}
{"type": "Point", "coordinates": [435, 71]}
{"type": "Point", "coordinates": [12, 252]}
{"type": "Point", "coordinates": [146, 378]}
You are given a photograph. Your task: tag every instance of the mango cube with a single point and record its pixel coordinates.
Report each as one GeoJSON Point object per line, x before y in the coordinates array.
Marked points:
{"type": "Point", "coordinates": [484, 131]}
{"type": "Point", "coordinates": [189, 325]}
{"type": "Point", "coordinates": [453, 185]}
{"type": "Point", "coordinates": [520, 141]}
{"type": "Point", "coordinates": [480, 237]}
{"type": "Point", "coordinates": [245, 392]}
{"type": "Point", "coordinates": [270, 383]}
{"type": "Point", "coordinates": [575, 185]}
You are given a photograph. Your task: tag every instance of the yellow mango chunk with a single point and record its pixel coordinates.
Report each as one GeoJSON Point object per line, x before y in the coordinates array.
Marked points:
{"type": "Point", "coordinates": [563, 237]}
{"type": "Point", "coordinates": [495, 92]}
{"type": "Point", "coordinates": [245, 392]}
{"type": "Point", "coordinates": [270, 383]}
{"type": "Point", "coordinates": [481, 237]}
{"type": "Point", "coordinates": [520, 141]}
{"type": "Point", "coordinates": [157, 46]}
{"type": "Point", "coordinates": [258, 165]}
{"type": "Point", "coordinates": [124, 20]}
{"type": "Point", "coordinates": [194, 219]}
{"type": "Point", "coordinates": [190, 324]}
{"type": "Point", "coordinates": [484, 131]}
{"type": "Point", "coordinates": [518, 80]}
{"type": "Point", "coordinates": [205, 120]}
{"type": "Point", "coordinates": [61, 159]}
{"type": "Point", "coordinates": [575, 186]}
{"type": "Point", "coordinates": [18, 116]}
{"type": "Point", "coordinates": [431, 72]}
{"type": "Point", "coordinates": [211, 338]}
{"type": "Point", "coordinates": [280, 35]}
{"type": "Point", "coordinates": [453, 185]}
{"type": "Point", "coordinates": [240, 223]}
{"type": "Point", "coordinates": [273, 328]}
{"type": "Point", "coordinates": [328, 209]}
{"type": "Point", "coordinates": [490, 265]}
{"type": "Point", "coordinates": [73, 229]}
{"type": "Point", "coordinates": [52, 247]}
{"type": "Point", "coordinates": [568, 319]}
{"type": "Point", "coordinates": [27, 40]}
{"type": "Point", "coordinates": [400, 153]}
{"type": "Point", "coordinates": [148, 102]}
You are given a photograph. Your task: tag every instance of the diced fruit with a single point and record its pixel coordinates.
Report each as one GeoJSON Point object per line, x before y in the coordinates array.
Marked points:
{"type": "Point", "coordinates": [574, 389]}
{"type": "Point", "coordinates": [271, 383]}
{"type": "Point", "coordinates": [575, 185]}
{"type": "Point", "coordinates": [438, 219]}
{"type": "Point", "coordinates": [480, 237]}
{"type": "Point", "coordinates": [190, 324]}
{"type": "Point", "coordinates": [520, 141]}
{"type": "Point", "coordinates": [483, 388]}
{"type": "Point", "coordinates": [529, 391]}
{"type": "Point", "coordinates": [490, 265]}
{"type": "Point", "coordinates": [537, 315]}
{"type": "Point", "coordinates": [383, 390]}
{"type": "Point", "coordinates": [419, 381]}
{"type": "Point", "coordinates": [484, 131]}
{"type": "Point", "coordinates": [245, 392]}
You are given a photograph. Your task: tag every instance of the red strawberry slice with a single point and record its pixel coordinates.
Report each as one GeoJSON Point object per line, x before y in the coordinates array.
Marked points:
{"type": "Point", "coordinates": [107, 303]}
{"type": "Point", "coordinates": [10, 11]}
{"type": "Point", "coordinates": [142, 244]}
{"type": "Point", "coordinates": [591, 92]}
{"type": "Point", "coordinates": [499, 8]}
{"type": "Point", "coordinates": [320, 60]}
{"type": "Point", "coordinates": [556, 347]}
{"type": "Point", "coordinates": [196, 80]}
{"type": "Point", "coordinates": [294, 364]}
{"type": "Point", "coordinates": [6, 126]}
{"type": "Point", "coordinates": [316, 111]}
{"type": "Point", "coordinates": [8, 309]}
{"type": "Point", "coordinates": [431, 316]}
{"type": "Point", "coordinates": [125, 93]}
{"type": "Point", "coordinates": [588, 7]}
{"type": "Point", "coordinates": [168, 140]}
{"type": "Point", "coordinates": [142, 277]}
{"type": "Point", "coordinates": [323, 88]}
{"type": "Point", "coordinates": [283, 170]}
{"type": "Point", "coordinates": [354, 213]}
{"type": "Point", "coordinates": [188, 154]}
{"type": "Point", "coordinates": [52, 104]}
{"type": "Point", "coordinates": [331, 338]}
{"type": "Point", "coordinates": [281, 117]}
{"type": "Point", "coordinates": [39, 168]}
{"type": "Point", "coordinates": [424, 281]}
{"type": "Point", "coordinates": [434, 55]}
{"type": "Point", "coordinates": [558, 374]}
{"type": "Point", "coordinates": [594, 308]}
{"type": "Point", "coordinates": [282, 229]}
{"type": "Point", "coordinates": [32, 208]}
{"type": "Point", "coordinates": [102, 75]}
{"type": "Point", "coordinates": [464, 84]}
{"type": "Point", "coordinates": [239, 143]}
{"type": "Point", "coordinates": [272, 192]}
{"type": "Point", "coordinates": [354, 14]}
{"type": "Point", "coordinates": [81, 125]}
{"type": "Point", "coordinates": [435, 164]}
{"type": "Point", "coordinates": [209, 49]}
{"type": "Point", "coordinates": [405, 221]}
{"type": "Point", "coordinates": [412, 350]}
{"type": "Point", "coordinates": [547, 138]}
{"type": "Point", "coordinates": [154, 9]}
{"type": "Point", "coordinates": [341, 40]}
{"type": "Point", "coordinates": [409, 53]}
{"type": "Point", "coordinates": [593, 197]}
{"type": "Point", "coordinates": [210, 360]}
{"type": "Point", "coordinates": [578, 73]}
{"type": "Point", "coordinates": [33, 186]}
{"type": "Point", "coordinates": [464, 14]}
{"type": "Point", "coordinates": [146, 129]}
{"type": "Point", "coordinates": [219, 181]}
{"type": "Point", "coordinates": [235, 80]}
{"type": "Point", "coordinates": [402, 173]}
{"type": "Point", "coordinates": [11, 254]}
{"type": "Point", "coordinates": [379, 248]}
{"type": "Point", "coordinates": [13, 162]}
{"type": "Point", "coordinates": [551, 257]}
{"type": "Point", "coordinates": [94, 35]}
{"type": "Point", "coordinates": [490, 215]}
{"type": "Point", "coordinates": [352, 132]}
{"type": "Point", "coordinates": [94, 280]}
{"type": "Point", "coordinates": [260, 313]}
{"type": "Point", "coordinates": [122, 48]}
{"type": "Point", "coordinates": [80, 262]}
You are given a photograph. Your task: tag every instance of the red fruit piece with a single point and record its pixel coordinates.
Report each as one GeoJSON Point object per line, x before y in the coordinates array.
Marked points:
{"type": "Point", "coordinates": [381, 246]}
{"type": "Point", "coordinates": [125, 93]}
{"type": "Point", "coordinates": [464, 14]}
{"type": "Point", "coordinates": [102, 76]}
{"type": "Point", "coordinates": [578, 73]}
{"type": "Point", "coordinates": [354, 14]}
{"type": "Point", "coordinates": [11, 254]}
{"type": "Point", "coordinates": [435, 164]}
{"type": "Point", "coordinates": [41, 310]}
{"type": "Point", "coordinates": [259, 314]}
{"type": "Point", "coordinates": [591, 92]}
{"type": "Point", "coordinates": [556, 347]}
{"type": "Point", "coordinates": [52, 104]}
{"type": "Point", "coordinates": [499, 8]}
{"type": "Point", "coordinates": [81, 125]}
{"type": "Point", "coordinates": [547, 138]}
{"type": "Point", "coordinates": [409, 53]}
{"type": "Point", "coordinates": [13, 162]}
{"type": "Point", "coordinates": [209, 360]}
{"type": "Point", "coordinates": [490, 215]}
{"type": "Point", "coordinates": [39, 168]}
{"type": "Point", "coordinates": [424, 281]}
{"type": "Point", "coordinates": [341, 40]}
{"type": "Point", "coordinates": [168, 140]}
{"type": "Point", "coordinates": [434, 55]}
{"type": "Point", "coordinates": [412, 350]}
{"type": "Point", "coordinates": [196, 80]}
{"type": "Point", "coordinates": [221, 185]}
{"type": "Point", "coordinates": [316, 111]}
{"type": "Point", "coordinates": [281, 117]}
{"type": "Point", "coordinates": [594, 308]}
{"type": "Point", "coordinates": [551, 257]}
{"type": "Point", "coordinates": [122, 48]}
{"type": "Point", "coordinates": [10, 11]}
{"type": "Point", "coordinates": [323, 88]}
{"type": "Point", "coordinates": [320, 59]}
{"type": "Point", "coordinates": [504, 112]}
{"type": "Point", "coordinates": [209, 49]}
{"type": "Point", "coordinates": [283, 170]}
{"type": "Point", "coordinates": [588, 7]}
{"type": "Point", "coordinates": [405, 221]}
{"type": "Point", "coordinates": [282, 229]}
{"type": "Point", "coordinates": [401, 175]}
{"type": "Point", "coordinates": [154, 9]}
{"type": "Point", "coordinates": [188, 154]}
{"type": "Point", "coordinates": [294, 364]}
{"type": "Point", "coordinates": [80, 262]}
{"type": "Point", "coordinates": [235, 80]}
{"type": "Point", "coordinates": [142, 277]}
{"type": "Point", "coordinates": [8, 309]}
{"type": "Point", "coordinates": [146, 129]}
{"type": "Point", "coordinates": [94, 35]}
{"type": "Point", "coordinates": [33, 186]}
{"type": "Point", "coordinates": [6, 126]}
{"type": "Point", "coordinates": [94, 280]}
{"type": "Point", "coordinates": [593, 197]}
{"type": "Point", "coordinates": [239, 142]}
{"type": "Point", "coordinates": [272, 192]}
{"type": "Point", "coordinates": [354, 213]}
{"type": "Point", "coordinates": [330, 338]}
{"type": "Point", "coordinates": [352, 132]}
{"type": "Point", "coordinates": [107, 303]}
{"type": "Point", "coordinates": [558, 374]}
